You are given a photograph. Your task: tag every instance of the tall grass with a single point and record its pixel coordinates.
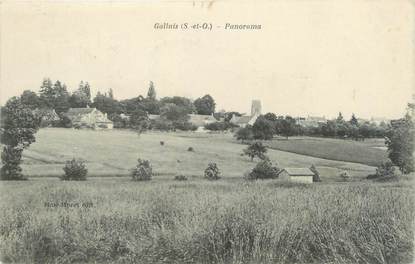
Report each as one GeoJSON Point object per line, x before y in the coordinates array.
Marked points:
{"type": "Point", "coordinates": [206, 222]}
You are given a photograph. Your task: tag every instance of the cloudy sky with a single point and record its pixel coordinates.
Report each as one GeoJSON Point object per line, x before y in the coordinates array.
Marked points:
{"type": "Point", "coordinates": [310, 57]}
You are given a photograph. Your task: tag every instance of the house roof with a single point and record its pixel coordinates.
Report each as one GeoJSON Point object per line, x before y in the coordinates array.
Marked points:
{"type": "Point", "coordinates": [79, 111]}
{"type": "Point", "coordinates": [298, 171]}
{"type": "Point", "coordinates": [201, 120]}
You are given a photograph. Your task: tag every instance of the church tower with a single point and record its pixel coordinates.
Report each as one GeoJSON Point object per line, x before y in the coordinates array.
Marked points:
{"type": "Point", "coordinates": [256, 108]}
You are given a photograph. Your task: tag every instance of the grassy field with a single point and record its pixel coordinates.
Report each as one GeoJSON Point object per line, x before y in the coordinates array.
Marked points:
{"type": "Point", "coordinates": [112, 153]}
{"type": "Point", "coordinates": [370, 152]}
{"type": "Point", "coordinates": [228, 221]}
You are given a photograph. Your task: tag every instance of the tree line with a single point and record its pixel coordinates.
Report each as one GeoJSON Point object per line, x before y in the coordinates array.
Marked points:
{"type": "Point", "coordinates": [268, 125]}
{"type": "Point", "coordinates": [129, 113]}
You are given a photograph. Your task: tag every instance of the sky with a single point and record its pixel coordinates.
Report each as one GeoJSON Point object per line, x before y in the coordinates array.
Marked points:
{"type": "Point", "coordinates": [315, 57]}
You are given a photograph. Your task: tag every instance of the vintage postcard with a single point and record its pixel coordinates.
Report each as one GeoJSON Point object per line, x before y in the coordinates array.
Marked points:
{"type": "Point", "coordinates": [228, 132]}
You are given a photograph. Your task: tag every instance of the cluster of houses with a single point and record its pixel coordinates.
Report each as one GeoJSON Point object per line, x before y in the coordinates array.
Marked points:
{"type": "Point", "coordinates": [93, 118]}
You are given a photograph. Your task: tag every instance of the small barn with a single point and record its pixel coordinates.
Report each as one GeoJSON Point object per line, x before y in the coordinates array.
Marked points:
{"type": "Point", "coordinates": [302, 175]}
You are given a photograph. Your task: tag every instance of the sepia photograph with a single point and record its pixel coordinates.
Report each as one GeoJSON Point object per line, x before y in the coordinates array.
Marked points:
{"type": "Point", "coordinates": [207, 132]}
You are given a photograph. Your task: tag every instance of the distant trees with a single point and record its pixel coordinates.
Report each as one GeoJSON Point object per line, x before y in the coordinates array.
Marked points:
{"type": "Point", "coordinates": [205, 105]}
{"type": "Point", "coordinates": [400, 139]}
{"type": "Point", "coordinates": [18, 132]}
{"type": "Point", "coordinates": [244, 133]}
{"type": "Point", "coordinates": [263, 128]}
{"type": "Point", "coordinates": [82, 96]}
{"type": "Point", "coordinates": [107, 104]}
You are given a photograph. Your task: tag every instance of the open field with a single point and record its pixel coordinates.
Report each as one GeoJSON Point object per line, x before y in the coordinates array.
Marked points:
{"type": "Point", "coordinates": [370, 152]}
{"type": "Point", "coordinates": [228, 221]}
{"type": "Point", "coordinates": [113, 153]}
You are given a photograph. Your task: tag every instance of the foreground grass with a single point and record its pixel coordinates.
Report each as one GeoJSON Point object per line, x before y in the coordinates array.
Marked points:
{"type": "Point", "coordinates": [205, 222]}
{"type": "Point", "coordinates": [367, 152]}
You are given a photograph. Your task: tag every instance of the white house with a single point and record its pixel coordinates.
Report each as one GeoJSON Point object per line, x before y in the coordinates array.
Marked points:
{"type": "Point", "coordinates": [89, 117]}
{"type": "Point", "coordinates": [302, 175]}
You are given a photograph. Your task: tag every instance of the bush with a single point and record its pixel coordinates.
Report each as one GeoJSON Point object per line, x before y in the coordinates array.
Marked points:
{"type": "Point", "coordinates": [11, 157]}
{"type": "Point", "coordinates": [75, 170]}
{"type": "Point", "coordinates": [143, 171]}
{"type": "Point", "coordinates": [180, 178]}
{"type": "Point", "coordinates": [256, 150]}
{"type": "Point", "coordinates": [185, 126]}
{"type": "Point", "coordinates": [316, 177]}
{"type": "Point", "coordinates": [263, 170]}
{"type": "Point", "coordinates": [219, 126]}
{"type": "Point", "coordinates": [212, 172]}
{"type": "Point", "coordinates": [386, 169]}
{"type": "Point", "coordinates": [162, 143]}
{"type": "Point", "coordinates": [190, 149]}
{"type": "Point", "coordinates": [345, 176]}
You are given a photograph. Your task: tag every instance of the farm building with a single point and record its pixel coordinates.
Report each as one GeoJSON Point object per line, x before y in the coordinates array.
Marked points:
{"type": "Point", "coordinates": [47, 116]}
{"type": "Point", "coordinates": [245, 120]}
{"type": "Point", "coordinates": [302, 175]}
{"type": "Point", "coordinates": [89, 118]}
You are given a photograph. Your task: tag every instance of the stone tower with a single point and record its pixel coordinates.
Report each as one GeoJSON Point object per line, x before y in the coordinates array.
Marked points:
{"type": "Point", "coordinates": [256, 107]}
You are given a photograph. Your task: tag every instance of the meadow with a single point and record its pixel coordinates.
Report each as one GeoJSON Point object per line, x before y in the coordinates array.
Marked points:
{"type": "Point", "coordinates": [371, 151]}
{"type": "Point", "coordinates": [111, 219]}
{"type": "Point", "coordinates": [227, 221]}
{"type": "Point", "coordinates": [114, 153]}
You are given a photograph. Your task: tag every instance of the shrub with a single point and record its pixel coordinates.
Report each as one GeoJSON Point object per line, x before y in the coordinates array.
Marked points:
{"type": "Point", "coordinates": [143, 171]}
{"type": "Point", "coordinates": [190, 149]}
{"type": "Point", "coordinates": [256, 150]}
{"type": "Point", "coordinates": [345, 176]}
{"type": "Point", "coordinates": [316, 177]}
{"type": "Point", "coordinates": [386, 169]}
{"type": "Point", "coordinates": [219, 126]}
{"type": "Point", "coordinates": [75, 170]}
{"type": "Point", "coordinates": [162, 143]}
{"type": "Point", "coordinates": [212, 172]}
{"type": "Point", "coordinates": [180, 178]}
{"type": "Point", "coordinates": [263, 170]}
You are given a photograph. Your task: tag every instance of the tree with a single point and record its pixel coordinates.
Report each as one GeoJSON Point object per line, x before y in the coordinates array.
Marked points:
{"type": "Point", "coordinates": [288, 127]}
{"type": "Point", "coordinates": [60, 101]}
{"type": "Point", "coordinates": [256, 150]}
{"type": "Point", "coordinates": [107, 104]}
{"type": "Point", "coordinates": [400, 142]}
{"type": "Point", "coordinates": [244, 133]}
{"type": "Point", "coordinates": [271, 117]}
{"type": "Point", "coordinates": [263, 128]}
{"type": "Point", "coordinates": [205, 105]}
{"type": "Point", "coordinates": [30, 99]}
{"type": "Point", "coordinates": [139, 120]}
{"type": "Point", "coordinates": [340, 118]}
{"type": "Point", "coordinates": [353, 121]}
{"type": "Point", "coordinates": [173, 112]}
{"type": "Point", "coordinates": [20, 126]}
{"type": "Point", "coordinates": [179, 101]}
{"type": "Point", "coordinates": [46, 93]}
{"type": "Point", "coordinates": [151, 94]}
{"type": "Point", "coordinates": [111, 93]}
{"type": "Point", "coordinates": [82, 96]}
